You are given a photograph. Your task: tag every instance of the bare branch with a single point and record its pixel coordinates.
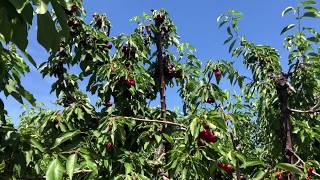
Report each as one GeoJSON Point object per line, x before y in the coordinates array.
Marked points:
{"type": "Point", "coordinates": [154, 120]}
{"type": "Point", "coordinates": [82, 171]}
{"type": "Point", "coordinates": [311, 110]}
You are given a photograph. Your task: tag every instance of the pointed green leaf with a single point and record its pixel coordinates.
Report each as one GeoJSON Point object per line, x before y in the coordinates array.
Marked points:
{"type": "Point", "coordinates": [36, 144]}
{"type": "Point", "coordinates": [232, 45]}
{"type": "Point", "coordinates": [55, 170]}
{"type": "Point", "coordinates": [193, 126]}
{"type": "Point", "coordinates": [251, 163]}
{"type": "Point", "coordinates": [311, 14]}
{"type": "Point", "coordinates": [41, 6]}
{"type": "Point", "coordinates": [259, 175]}
{"type": "Point", "coordinates": [286, 10]}
{"type": "Point", "coordinates": [285, 29]}
{"type": "Point", "coordinates": [303, 3]}
{"type": "Point", "coordinates": [65, 137]}
{"type": "Point", "coordinates": [47, 26]}
{"type": "Point", "coordinates": [289, 167]}
{"type": "Point", "coordinates": [71, 164]}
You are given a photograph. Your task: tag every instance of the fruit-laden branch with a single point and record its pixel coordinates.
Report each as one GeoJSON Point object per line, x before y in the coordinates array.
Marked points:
{"type": "Point", "coordinates": [155, 121]}
{"type": "Point", "coordinates": [314, 109]}
{"type": "Point", "coordinates": [303, 163]}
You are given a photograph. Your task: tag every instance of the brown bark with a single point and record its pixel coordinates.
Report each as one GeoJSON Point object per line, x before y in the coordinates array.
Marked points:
{"type": "Point", "coordinates": [160, 66]}
{"type": "Point", "coordinates": [162, 82]}
{"type": "Point", "coordinates": [285, 129]}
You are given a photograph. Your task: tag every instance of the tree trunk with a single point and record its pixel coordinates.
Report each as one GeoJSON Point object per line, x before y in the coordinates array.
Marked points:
{"type": "Point", "coordinates": [160, 66]}
{"type": "Point", "coordinates": [285, 129]}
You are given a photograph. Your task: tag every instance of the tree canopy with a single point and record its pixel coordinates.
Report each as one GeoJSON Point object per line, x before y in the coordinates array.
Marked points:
{"type": "Point", "coordinates": [269, 129]}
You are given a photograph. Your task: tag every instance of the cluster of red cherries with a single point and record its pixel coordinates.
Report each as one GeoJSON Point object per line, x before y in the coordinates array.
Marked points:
{"type": "Point", "coordinates": [206, 136]}
{"type": "Point", "coordinates": [310, 171]}
{"type": "Point", "coordinates": [226, 167]}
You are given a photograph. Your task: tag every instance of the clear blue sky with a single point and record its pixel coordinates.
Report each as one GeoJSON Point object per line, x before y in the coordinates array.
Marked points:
{"type": "Point", "coordinates": [196, 22]}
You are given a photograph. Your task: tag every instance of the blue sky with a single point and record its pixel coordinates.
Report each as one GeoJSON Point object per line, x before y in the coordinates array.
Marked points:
{"type": "Point", "coordinates": [196, 23]}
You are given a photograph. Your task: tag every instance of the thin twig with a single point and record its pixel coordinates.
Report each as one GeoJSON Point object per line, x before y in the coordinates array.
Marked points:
{"type": "Point", "coordinates": [154, 120]}
{"type": "Point", "coordinates": [304, 111]}
{"type": "Point", "coordinates": [82, 171]}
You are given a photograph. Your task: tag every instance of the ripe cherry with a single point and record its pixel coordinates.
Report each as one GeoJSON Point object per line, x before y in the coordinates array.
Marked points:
{"type": "Point", "coordinates": [210, 100]}
{"type": "Point", "coordinates": [218, 73]}
{"type": "Point", "coordinates": [109, 46]}
{"type": "Point", "coordinates": [109, 146]}
{"type": "Point", "coordinates": [74, 8]}
{"type": "Point", "coordinates": [109, 104]}
{"type": "Point", "coordinates": [130, 82]}
{"type": "Point", "coordinates": [228, 168]}
{"type": "Point", "coordinates": [206, 126]}
{"type": "Point", "coordinates": [308, 178]}
{"type": "Point", "coordinates": [159, 19]}
{"type": "Point", "coordinates": [311, 170]}
{"type": "Point", "coordinates": [278, 175]}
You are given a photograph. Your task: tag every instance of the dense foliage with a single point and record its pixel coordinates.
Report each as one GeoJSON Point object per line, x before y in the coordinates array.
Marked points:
{"type": "Point", "coordinates": [269, 129]}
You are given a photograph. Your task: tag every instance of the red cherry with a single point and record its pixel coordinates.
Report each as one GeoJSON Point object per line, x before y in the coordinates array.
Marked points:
{"type": "Point", "coordinates": [228, 168]}
{"type": "Point", "coordinates": [74, 8]}
{"type": "Point", "coordinates": [130, 82]}
{"type": "Point", "coordinates": [308, 178]}
{"type": "Point", "coordinates": [311, 170]}
{"type": "Point", "coordinates": [210, 100]}
{"type": "Point", "coordinates": [278, 175]}
{"type": "Point", "coordinates": [109, 146]}
{"type": "Point", "coordinates": [212, 138]}
{"type": "Point", "coordinates": [206, 126]}
{"type": "Point", "coordinates": [110, 127]}
{"type": "Point", "coordinates": [109, 104]}
{"type": "Point", "coordinates": [204, 134]}
{"type": "Point", "coordinates": [221, 165]}
{"type": "Point", "coordinates": [218, 73]}
{"type": "Point", "coordinates": [109, 46]}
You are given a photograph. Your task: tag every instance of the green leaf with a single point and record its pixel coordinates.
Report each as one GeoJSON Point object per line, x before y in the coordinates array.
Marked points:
{"type": "Point", "coordinates": [65, 137]}
{"type": "Point", "coordinates": [46, 26]}
{"type": "Point", "coordinates": [311, 14]}
{"type": "Point", "coordinates": [289, 167]}
{"type": "Point", "coordinates": [285, 29]}
{"type": "Point", "coordinates": [168, 138]}
{"type": "Point", "coordinates": [229, 31]}
{"type": "Point", "coordinates": [41, 6]}
{"type": "Point", "coordinates": [36, 144]}
{"type": "Point", "coordinates": [18, 4]}
{"type": "Point", "coordinates": [311, 9]}
{"type": "Point", "coordinates": [71, 164]}
{"type": "Point", "coordinates": [62, 18]}
{"type": "Point", "coordinates": [251, 163]}
{"type": "Point", "coordinates": [228, 40]}
{"type": "Point", "coordinates": [259, 175]}
{"type": "Point", "coordinates": [30, 59]}
{"type": "Point", "coordinates": [55, 170]}
{"type": "Point", "coordinates": [303, 3]}
{"type": "Point", "coordinates": [128, 168]}
{"type": "Point", "coordinates": [286, 10]}
{"type": "Point", "coordinates": [232, 45]}
{"type": "Point", "coordinates": [193, 126]}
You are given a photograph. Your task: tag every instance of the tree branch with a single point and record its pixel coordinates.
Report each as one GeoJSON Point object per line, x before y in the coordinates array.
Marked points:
{"type": "Point", "coordinates": [314, 109]}
{"type": "Point", "coordinates": [154, 120]}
